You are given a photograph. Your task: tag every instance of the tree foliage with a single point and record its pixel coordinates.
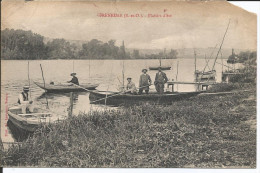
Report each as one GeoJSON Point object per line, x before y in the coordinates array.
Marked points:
{"type": "Point", "coordinates": [20, 44]}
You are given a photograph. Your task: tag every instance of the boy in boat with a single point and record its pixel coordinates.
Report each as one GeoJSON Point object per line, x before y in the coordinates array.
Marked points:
{"type": "Point", "coordinates": [74, 79]}
{"type": "Point", "coordinates": [160, 80]}
{"type": "Point", "coordinates": [24, 101]}
{"type": "Point", "coordinates": [144, 82]}
{"type": "Point", "coordinates": [131, 86]}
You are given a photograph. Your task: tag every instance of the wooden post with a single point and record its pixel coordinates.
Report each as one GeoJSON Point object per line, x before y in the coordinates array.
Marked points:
{"type": "Point", "coordinates": [1, 144]}
{"type": "Point", "coordinates": [71, 105]}
{"type": "Point", "coordinates": [44, 87]}
{"type": "Point", "coordinates": [69, 116]}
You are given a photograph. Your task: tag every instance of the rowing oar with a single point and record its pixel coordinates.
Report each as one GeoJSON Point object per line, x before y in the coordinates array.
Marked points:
{"type": "Point", "coordinates": [81, 87]}
{"type": "Point", "coordinates": [119, 94]}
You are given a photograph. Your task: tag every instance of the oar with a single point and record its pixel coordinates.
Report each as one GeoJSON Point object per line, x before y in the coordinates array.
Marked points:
{"type": "Point", "coordinates": [37, 114]}
{"type": "Point", "coordinates": [118, 94]}
{"type": "Point", "coordinates": [44, 87]}
{"type": "Point", "coordinates": [81, 87]}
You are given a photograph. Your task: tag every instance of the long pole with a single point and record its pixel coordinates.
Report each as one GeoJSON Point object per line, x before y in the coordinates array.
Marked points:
{"type": "Point", "coordinates": [177, 73]}
{"type": "Point", "coordinates": [222, 62]}
{"type": "Point", "coordinates": [123, 70]}
{"type": "Point", "coordinates": [89, 68]}
{"type": "Point", "coordinates": [73, 67]}
{"type": "Point", "coordinates": [221, 45]}
{"type": "Point", "coordinates": [44, 86]}
{"type": "Point", "coordinates": [195, 62]}
{"type": "Point", "coordinates": [123, 74]}
{"type": "Point", "coordinates": [29, 80]}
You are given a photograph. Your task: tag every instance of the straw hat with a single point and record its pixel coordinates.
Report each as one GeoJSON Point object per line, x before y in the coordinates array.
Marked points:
{"type": "Point", "coordinates": [73, 74]}
{"type": "Point", "coordinates": [26, 88]}
{"type": "Point", "coordinates": [144, 70]}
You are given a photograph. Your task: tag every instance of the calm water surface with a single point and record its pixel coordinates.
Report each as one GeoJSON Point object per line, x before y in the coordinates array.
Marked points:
{"type": "Point", "coordinates": [106, 73]}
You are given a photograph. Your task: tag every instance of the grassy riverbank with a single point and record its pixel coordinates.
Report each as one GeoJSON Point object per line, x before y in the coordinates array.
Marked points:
{"type": "Point", "coordinates": [209, 131]}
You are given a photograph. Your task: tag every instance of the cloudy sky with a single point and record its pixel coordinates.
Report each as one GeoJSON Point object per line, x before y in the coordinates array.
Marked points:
{"type": "Point", "coordinates": [192, 25]}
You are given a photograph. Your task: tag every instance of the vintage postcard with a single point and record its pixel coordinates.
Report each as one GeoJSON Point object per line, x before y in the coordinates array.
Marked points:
{"type": "Point", "coordinates": [128, 84]}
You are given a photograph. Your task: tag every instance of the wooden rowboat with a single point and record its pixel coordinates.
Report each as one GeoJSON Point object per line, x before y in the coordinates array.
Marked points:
{"type": "Point", "coordinates": [205, 75]}
{"type": "Point", "coordinates": [114, 98]}
{"type": "Point", "coordinates": [30, 121]}
{"type": "Point", "coordinates": [65, 88]}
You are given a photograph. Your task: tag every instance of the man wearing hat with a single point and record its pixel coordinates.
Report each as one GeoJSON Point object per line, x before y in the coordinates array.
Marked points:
{"type": "Point", "coordinates": [144, 82]}
{"type": "Point", "coordinates": [131, 86]}
{"type": "Point", "coordinates": [74, 79]}
{"type": "Point", "coordinates": [160, 80]}
{"type": "Point", "coordinates": [24, 102]}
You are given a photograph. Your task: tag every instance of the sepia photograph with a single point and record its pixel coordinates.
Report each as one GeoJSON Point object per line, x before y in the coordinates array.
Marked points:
{"type": "Point", "coordinates": [121, 84]}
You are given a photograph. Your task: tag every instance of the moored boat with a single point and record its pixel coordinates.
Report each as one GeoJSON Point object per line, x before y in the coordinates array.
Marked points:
{"type": "Point", "coordinates": [113, 98]}
{"type": "Point", "coordinates": [29, 121]}
{"type": "Point", "coordinates": [207, 75]}
{"type": "Point", "coordinates": [162, 67]}
{"type": "Point", "coordinates": [66, 88]}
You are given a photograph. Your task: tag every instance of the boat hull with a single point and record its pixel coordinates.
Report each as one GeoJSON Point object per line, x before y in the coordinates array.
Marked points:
{"type": "Point", "coordinates": [66, 88]}
{"type": "Point", "coordinates": [25, 123]}
{"type": "Point", "coordinates": [162, 67]}
{"type": "Point", "coordinates": [124, 99]}
{"type": "Point", "coordinates": [209, 75]}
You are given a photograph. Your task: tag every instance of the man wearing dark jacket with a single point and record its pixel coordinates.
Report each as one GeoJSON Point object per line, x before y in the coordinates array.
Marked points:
{"type": "Point", "coordinates": [160, 80]}
{"type": "Point", "coordinates": [74, 79]}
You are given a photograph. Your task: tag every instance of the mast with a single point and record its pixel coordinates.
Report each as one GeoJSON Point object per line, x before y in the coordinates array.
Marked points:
{"type": "Point", "coordinates": [73, 67]}
{"type": "Point", "coordinates": [195, 62]}
{"type": "Point", "coordinates": [29, 80]}
{"type": "Point", "coordinates": [123, 70]}
{"type": "Point", "coordinates": [89, 68]}
{"type": "Point", "coordinates": [221, 46]}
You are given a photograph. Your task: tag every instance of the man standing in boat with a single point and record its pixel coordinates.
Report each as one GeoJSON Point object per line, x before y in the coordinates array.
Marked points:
{"type": "Point", "coordinates": [144, 82]}
{"type": "Point", "coordinates": [24, 101]}
{"type": "Point", "coordinates": [131, 86]}
{"type": "Point", "coordinates": [74, 79]}
{"type": "Point", "coordinates": [160, 80]}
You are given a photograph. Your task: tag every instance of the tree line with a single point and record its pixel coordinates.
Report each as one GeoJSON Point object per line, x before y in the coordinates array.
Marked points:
{"type": "Point", "coordinates": [244, 56]}
{"type": "Point", "coordinates": [23, 45]}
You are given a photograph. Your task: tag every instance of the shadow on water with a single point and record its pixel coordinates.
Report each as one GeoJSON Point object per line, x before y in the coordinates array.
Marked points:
{"type": "Point", "coordinates": [51, 96]}
{"type": "Point", "coordinates": [17, 133]}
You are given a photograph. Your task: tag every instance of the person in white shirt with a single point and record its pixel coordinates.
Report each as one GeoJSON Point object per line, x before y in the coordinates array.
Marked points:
{"type": "Point", "coordinates": [130, 86]}
{"type": "Point", "coordinates": [24, 101]}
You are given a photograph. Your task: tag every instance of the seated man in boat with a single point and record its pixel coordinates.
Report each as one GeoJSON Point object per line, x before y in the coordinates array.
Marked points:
{"type": "Point", "coordinates": [130, 87]}
{"type": "Point", "coordinates": [160, 80]}
{"type": "Point", "coordinates": [24, 101]}
{"type": "Point", "coordinates": [144, 82]}
{"type": "Point", "coordinates": [74, 79]}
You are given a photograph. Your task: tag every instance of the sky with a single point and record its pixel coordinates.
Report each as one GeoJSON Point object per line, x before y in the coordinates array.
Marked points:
{"type": "Point", "coordinates": [191, 25]}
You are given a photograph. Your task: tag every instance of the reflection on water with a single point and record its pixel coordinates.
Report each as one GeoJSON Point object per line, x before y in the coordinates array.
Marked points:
{"type": "Point", "coordinates": [17, 133]}
{"type": "Point", "coordinates": [107, 73]}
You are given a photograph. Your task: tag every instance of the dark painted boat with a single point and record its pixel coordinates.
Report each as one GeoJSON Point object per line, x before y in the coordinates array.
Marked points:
{"type": "Point", "coordinates": [30, 121]}
{"type": "Point", "coordinates": [207, 75]}
{"type": "Point", "coordinates": [114, 98]}
{"type": "Point", "coordinates": [162, 67]}
{"type": "Point", "coordinates": [66, 88]}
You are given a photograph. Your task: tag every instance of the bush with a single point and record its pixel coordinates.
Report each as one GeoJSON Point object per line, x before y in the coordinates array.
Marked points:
{"type": "Point", "coordinates": [225, 87]}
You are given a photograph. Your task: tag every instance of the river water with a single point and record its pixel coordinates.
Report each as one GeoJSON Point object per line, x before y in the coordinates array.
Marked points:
{"type": "Point", "coordinates": [106, 73]}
